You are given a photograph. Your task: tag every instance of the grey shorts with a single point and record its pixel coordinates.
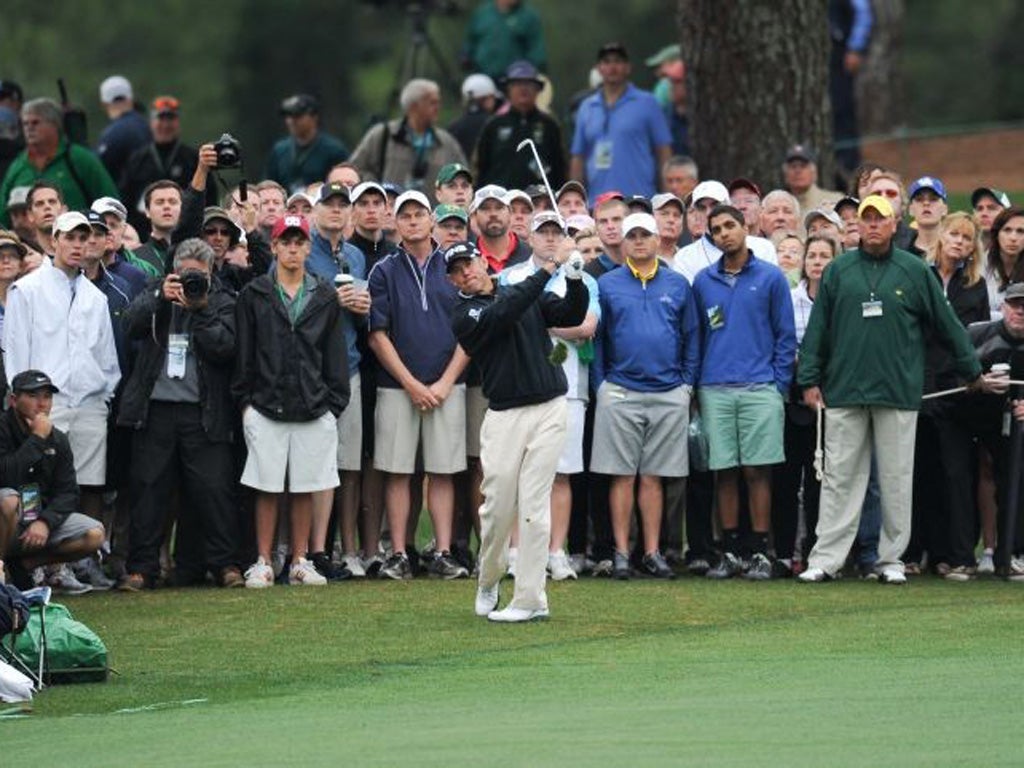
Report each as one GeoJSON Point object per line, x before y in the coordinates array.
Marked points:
{"type": "Point", "coordinates": [75, 526]}
{"type": "Point", "coordinates": [643, 432]}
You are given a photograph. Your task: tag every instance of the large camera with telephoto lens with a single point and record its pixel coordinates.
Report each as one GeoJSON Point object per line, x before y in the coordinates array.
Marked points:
{"type": "Point", "coordinates": [195, 284]}
{"type": "Point", "coordinates": [229, 151]}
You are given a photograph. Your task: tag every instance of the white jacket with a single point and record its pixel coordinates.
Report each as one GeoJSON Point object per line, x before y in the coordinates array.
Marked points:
{"type": "Point", "coordinates": [702, 253]}
{"type": "Point", "coordinates": [61, 327]}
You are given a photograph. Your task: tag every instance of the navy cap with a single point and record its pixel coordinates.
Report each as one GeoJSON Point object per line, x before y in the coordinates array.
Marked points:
{"type": "Point", "coordinates": [32, 381]}
{"type": "Point", "coordinates": [463, 249]}
{"type": "Point", "coordinates": [96, 221]}
{"type": "Point", "coordinates": [523, 70]}
{"type": "Point", "coordinates": [300, 104]}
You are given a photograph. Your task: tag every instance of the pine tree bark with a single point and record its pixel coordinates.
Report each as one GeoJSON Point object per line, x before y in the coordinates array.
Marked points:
{"type": "Point", "coordinates": [757, 81]}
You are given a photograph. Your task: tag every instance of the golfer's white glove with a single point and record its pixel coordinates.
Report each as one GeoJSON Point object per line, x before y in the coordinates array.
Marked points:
{"type": "Point", "coordinates": [573, 266]}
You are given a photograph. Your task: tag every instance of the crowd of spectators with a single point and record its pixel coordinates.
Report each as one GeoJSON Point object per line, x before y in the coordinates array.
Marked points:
{"type": "Point", "coordinates": [263, 384]}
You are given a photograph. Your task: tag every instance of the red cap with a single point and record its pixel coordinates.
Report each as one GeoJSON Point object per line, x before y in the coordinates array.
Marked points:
{"type": "Point", "coordinates": [604, 197]}
{"type": "Point", "coordinates": [290, 221]}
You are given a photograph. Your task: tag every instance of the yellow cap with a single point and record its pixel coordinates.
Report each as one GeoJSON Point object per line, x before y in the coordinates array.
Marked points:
{"type": "Point", "coordinates": [877, 202]}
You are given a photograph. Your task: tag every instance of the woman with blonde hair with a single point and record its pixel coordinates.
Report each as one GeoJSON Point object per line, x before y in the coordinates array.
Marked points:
{"type": "Point", "coordinates": [944, 500]}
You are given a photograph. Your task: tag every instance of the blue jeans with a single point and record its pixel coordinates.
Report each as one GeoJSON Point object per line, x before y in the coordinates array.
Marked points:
{"type": "Point", "coordinates": [870, 522]}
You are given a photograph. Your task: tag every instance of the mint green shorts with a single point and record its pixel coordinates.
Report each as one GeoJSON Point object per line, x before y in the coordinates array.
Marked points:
{"type": "Point", "coordinates": [744, 425]}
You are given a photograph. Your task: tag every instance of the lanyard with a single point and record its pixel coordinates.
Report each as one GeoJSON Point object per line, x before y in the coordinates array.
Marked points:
{"type": "Point", "coordinates": [878, 272]}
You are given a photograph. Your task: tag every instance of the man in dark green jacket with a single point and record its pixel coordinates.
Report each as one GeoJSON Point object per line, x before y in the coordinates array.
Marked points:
{"type": "Point", "coordinates": [863, 356]}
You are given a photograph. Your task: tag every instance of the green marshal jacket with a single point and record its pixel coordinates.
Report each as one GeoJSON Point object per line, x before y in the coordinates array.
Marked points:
{"type": "Point", "coordinates": [861, 352]}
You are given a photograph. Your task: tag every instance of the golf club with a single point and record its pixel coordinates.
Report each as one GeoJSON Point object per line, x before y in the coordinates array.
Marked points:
{"type": "Point", "coordinates": [540, 167]}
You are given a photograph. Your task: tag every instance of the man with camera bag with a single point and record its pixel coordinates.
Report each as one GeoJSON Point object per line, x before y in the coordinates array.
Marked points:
{"type": "Point", "coordinates": [178, 401]}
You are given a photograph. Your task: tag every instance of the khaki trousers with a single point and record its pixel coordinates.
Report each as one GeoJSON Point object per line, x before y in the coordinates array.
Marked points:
{"type": "Point", "coordinates": [519, 452]}
{"type": "Point", "coordinates": [850, 434]}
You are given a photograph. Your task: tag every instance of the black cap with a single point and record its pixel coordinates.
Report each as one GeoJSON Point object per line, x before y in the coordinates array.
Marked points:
{"type": "Point", "coordinates": [614, 47]}
{"type": "Point", "coordinates": [300, 104]}
{"type": "Point", "coordinates": [96, 221]}
{"type": "Point", "coordinates": [334, 189]}
{"type": "Point", "coordinates": [9, 88]}
{"type": "Point", "coordinates": [801, 152]}
{"type": "Point", "coordinates": [32, 381]}
{"type": "Point", "coordinates": [639, 201]}
{"type": "Point", "coordinates": [463, 249]}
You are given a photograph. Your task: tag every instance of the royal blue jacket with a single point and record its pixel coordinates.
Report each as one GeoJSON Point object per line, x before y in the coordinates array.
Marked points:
{"type": "Point", "coordinates": [325, 262]}
{"type": "Point", "coordinates": [648, 339]}
{"type": "Point", "coordinates": [747, 328]}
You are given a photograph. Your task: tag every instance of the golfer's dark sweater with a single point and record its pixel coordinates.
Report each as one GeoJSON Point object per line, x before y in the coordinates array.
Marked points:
{"type": "Point", "coordinates": [505, 332]}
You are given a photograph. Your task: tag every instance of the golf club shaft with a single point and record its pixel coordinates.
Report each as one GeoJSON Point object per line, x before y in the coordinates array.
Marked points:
{"type": "Point", "coordinates": [540, 167]}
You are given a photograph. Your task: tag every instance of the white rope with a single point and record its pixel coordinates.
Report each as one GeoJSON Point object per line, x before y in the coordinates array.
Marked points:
{"type": "Point", "coordinates": [819, 453]}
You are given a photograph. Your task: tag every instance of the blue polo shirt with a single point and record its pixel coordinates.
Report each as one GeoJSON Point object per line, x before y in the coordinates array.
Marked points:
{"type": "Point", "coordinates": [414, 306]}
{"type": "Point", "coordinates": [325, 262]}
{"type": "Point", "coordinates": [619, 143]}
{"type": "Point", "coordinates": [748, 333]}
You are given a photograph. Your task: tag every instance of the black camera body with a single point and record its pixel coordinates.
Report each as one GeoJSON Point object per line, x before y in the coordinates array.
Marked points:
{"type": "Point", "coordinates": [229, 151]}
{"type": "Point", "coordinates": [195, 284]}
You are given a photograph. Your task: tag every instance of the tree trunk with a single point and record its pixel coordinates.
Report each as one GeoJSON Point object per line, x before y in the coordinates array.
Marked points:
{"type": "Point", "coordinates": [880, 82]}
{"type": "Point", "coordinates": [757, 78]}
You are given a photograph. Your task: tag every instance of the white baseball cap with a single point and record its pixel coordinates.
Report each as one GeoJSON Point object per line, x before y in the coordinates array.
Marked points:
{"type": "Point", "coordinates": [715, 190]}
{"type": "Point", "coordinates": [412, 196]}
{"type": "Point", "coordinates": [115, 87]}
{"type": "Point", "coordinates": [103, 205]}
{"type": "Point", "coordinates": [478, 86]}
{"type": "Point", "coordinates": [642, 221]}
{"type": "Point", "coordinates": [488, 192]}
{"type": "Point", "coordinates": [367, 186]}
{"type": "Point", "coordinates": [70, 220]}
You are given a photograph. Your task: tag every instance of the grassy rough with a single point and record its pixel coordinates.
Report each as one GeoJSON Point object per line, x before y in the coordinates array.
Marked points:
{"type": "Point", "coordinates": [666, 673]}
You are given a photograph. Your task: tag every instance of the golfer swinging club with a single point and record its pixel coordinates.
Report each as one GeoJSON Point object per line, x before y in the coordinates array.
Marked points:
{"type": "Point", "coordinates": [505, 330]}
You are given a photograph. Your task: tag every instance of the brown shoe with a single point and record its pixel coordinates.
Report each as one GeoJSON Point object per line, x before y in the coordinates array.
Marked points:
{"type": "Point", "coordinates": [231, 577]}
{"type": "Point", "coordinates": [132, 582]}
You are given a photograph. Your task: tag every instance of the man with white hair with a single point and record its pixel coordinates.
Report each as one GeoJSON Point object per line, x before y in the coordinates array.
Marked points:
{"type": "Point", "coordinates": [703, 252]}
{"type": "Point", "coordinates": [412, 149]}
{"type": "Point", "coordinates": [127, 130]}
{"type": "Point", "coordinates": [779, 210]}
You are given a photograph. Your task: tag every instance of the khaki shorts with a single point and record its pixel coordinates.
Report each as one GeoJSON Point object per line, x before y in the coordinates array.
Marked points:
{"type": "Point", "coordinates": [304, 452]}
{"type": "Point", "coordinates": [401, 427]}
{"type": "Point", "coordinates": [641, 432]}
{"type": "Point", "coordinates": [476, 409]}
{"type": "Point", "coordinates": [571, 460]}
{"type": "Point", "coordinates": [350, 429]}
{"type": "Point", "coordinates": [86, 428]}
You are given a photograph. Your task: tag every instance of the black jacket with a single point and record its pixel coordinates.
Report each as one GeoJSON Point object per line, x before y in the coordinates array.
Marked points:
{"type": "Point", "coordinates": [26, 458]}
{"type": "Point", "coordinates": [970, 303]}
{"type": "Point", "coordinates": [286, 373]}
{"type": "Point", "coordinates": [147, 322]}
{"type": "Point", "coordinates": [498, 162]}
{"type": "Point", "coordinates": [505, 333]}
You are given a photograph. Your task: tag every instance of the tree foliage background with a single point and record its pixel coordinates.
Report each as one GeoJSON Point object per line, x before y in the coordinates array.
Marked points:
{"type": "Point", "coordinates": [232, 61]}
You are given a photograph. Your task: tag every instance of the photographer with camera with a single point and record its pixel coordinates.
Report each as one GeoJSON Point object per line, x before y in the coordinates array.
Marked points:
{"type": "Point", "coordinates": [178, 401]}
{"type": "Point", "coordinates": [222, 229]}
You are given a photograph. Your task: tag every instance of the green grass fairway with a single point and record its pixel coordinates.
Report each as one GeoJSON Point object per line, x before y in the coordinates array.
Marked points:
{"type": "Point", "coordinates": [642, 673]}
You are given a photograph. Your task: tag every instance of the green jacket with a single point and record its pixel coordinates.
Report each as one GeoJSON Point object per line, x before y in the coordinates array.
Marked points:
{"type": "Point", "coordinates": [77, 171]}
{"type": "Point", "coordinates": [858, 360]}
{"type": "Point", "coordinates": [495, 39]}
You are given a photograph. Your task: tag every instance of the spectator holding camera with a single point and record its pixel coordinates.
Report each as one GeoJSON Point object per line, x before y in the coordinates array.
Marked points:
{"type": "Point", "coordinates": [178, 403]}
{"type": "Point", "coordinates": [291, 381]}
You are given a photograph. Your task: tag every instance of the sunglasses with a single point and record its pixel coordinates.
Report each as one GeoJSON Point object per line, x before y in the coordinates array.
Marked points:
{"type": "Point", "coordinates": [217, 231]}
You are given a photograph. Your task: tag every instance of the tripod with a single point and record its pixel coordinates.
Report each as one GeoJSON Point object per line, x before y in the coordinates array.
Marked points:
{"type": "Point", "coordinates": [410, 64]}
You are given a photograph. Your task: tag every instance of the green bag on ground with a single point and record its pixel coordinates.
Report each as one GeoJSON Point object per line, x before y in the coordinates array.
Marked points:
{"type": "Point", "coordinates": [74, 653]}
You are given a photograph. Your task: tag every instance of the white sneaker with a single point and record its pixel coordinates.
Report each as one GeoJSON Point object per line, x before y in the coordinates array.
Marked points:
{"type": "Point", "coordinates": [486, 600]}
{"type": "Point", "coordinates": [513, 555]}
{"type": "Point", "coordinates": [813, 576]}
{"type": "Point", "coordinates": [260, 575]}
{"type": "Point", "coordinates": [514, 615]}
{"type": "Point", "coordinates": [64, 582]}
{"type": "Point", "coordinates": [892, 575]}
{"type": "Point", "coordinates": [355, 564]}
{"type": "Point", "coordinates": [986, 566]}
{"type": "Point", "coordinates": [302, 572]}
{"type": "Point", "coordinates": [559, 566]}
